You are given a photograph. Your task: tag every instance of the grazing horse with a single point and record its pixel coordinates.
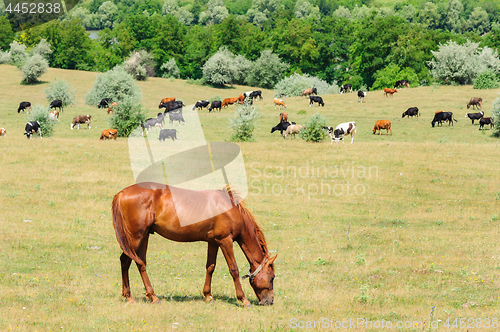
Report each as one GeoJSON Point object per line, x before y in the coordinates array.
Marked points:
{"type": "Point", "coordinates": [148, 208]}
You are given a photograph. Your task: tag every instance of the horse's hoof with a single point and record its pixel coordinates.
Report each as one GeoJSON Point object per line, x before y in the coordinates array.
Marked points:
{"type": "Point", "coordinates": [155, 299]}
{"type": "Point", "coordinates": [130, 300]}
{"type": "Point", "coordinates": [247, 306]}
{"type": "Point", "coordinates": [209, 299]}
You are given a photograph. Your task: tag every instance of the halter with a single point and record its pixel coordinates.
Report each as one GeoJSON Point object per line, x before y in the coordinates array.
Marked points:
{"type": "Point", "coordinates": [257, 270]}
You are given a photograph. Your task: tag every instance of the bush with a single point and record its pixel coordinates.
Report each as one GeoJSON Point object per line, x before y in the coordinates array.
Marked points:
{"type": "Point", "coordinates": [116, 84]}
{"type": "Point", "coordinates": [140, 65]}
{"type": "Point", "coordinates": [170, 69]}
{"type": "Point", "coordinates": [43, 49]}
{"type": "Point", "coordinates": [127, 116]}
{"type": "Point", "coordinates": [243, 123]}
{"type": "Point", "coordinates": [34, 67]}
{"type": "Point", "coordinates": [496, 117]}
{"type": "Point", "coordinates": [296, 84]}
{"type": "Point", "coordinates": [214, 98]}
{"type": "Point", "coordinates": [267, 70]}
{"type": "Point", "coordinates": [387, 77]}
{"type": "Point", "coordinates": [41, 114]}
{"type": "Point", "coordinates": [219, 68]}
{"type": "Point", "coordinates": [486, 80]}
{"type": "Point", "coordinates": [4, 57]}
{"type": "Point", "coordinates": [60, 90]}
{"type": "Point", "coordinates": [242, 69]}
{"type": "Point", "coordinates": [18, 54]}
{"type": "Point", "coordinates": [313, 129]}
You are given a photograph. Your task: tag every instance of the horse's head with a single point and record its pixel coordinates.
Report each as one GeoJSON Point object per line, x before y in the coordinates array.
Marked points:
{"type": "Point", "coordinates": [262, 281]}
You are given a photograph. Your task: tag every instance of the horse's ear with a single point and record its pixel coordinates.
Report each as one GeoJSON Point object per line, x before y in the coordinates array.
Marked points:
{"type": "Point", "coordinates": [271, 260]}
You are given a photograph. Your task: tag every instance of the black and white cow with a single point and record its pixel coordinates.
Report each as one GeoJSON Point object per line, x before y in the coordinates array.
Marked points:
{"type": "Point", "coordinates": [57, 104]}
{"type": "Point", "coordinates": [23, 106]}
{"type": "Point", "coordinates": [216, 104]}
{"type": "Point", "coordinates": [474, 116]}
{"type": "Point", "coordinates": [485, 121]}
{"type": "Point", "coordinates": [282, 126]}
{"type": "Point", "coordinates": [255, 94]}
{"type": "Point", "coordinates": [337, 134]}
{"type": "Point", "coordinates": [176, 116]}
{"type": "Point", "coordinates": [31, 128]}
{"type": "Point", "coordinates": [402, 83]}
{"type": "Point", "coordinates": [200, 104]}
{"type": "Point", "coordinates": [439, 117]}
{"type": "Point", "coordinates": [168, 133]}
{"type": "Point", "coordinates": [172, 106]}
{"type": "Point", "coordinates": [412, 111]}
{"type": "Point", "coordinates": [345, 88]}
{"type": "Point", "coordinates": [361, 96]}
{"type": "Point", "coordinates": [105, 102]}
{"type": "Point", "coordinates": [316, 99]}
{"type": "Point", "coordinates": [153, 122]}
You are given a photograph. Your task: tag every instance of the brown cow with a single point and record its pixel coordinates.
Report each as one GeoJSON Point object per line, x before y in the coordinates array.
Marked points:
{"type": "Point", "coordinates": [475, 102]}
{"type": "Point", "coordinates": [111, 107]}
{"type": "Point", "coordinates": [81, 119]}
{"type": "Point", "coordinates": [166, 100]}
{"type": "Point", "coordinates": [3, 132]}
{"type": "Point", "coordinates": [485, 121]}
{"type": "Point", "coordinates": [241, 99]}
{"type": "Point", "coordinates": [108, 134]}
{"type": "Point", "coordinates": [279, 103]}
{"type": "Point", "coordinates": [308, 92]}
{"type": "Point", "coordinates": [229, 101]}
{"type": "Point", "coordinates": [283, 117]}
{"type": "Point", "coordinates": [382, 124]}
{"type": "Point", "coordinates": [388, 91]}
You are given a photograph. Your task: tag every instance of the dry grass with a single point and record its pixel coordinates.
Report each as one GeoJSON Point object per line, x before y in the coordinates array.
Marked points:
{"type": "Point", "coordinates": [421, 231]}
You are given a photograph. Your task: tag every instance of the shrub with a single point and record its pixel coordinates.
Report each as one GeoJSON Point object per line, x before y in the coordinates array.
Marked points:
{"type": "Point", "coordinates": [41, 114]}
{"type": "Point", "coordinates": [60, 90]}
{"type": "Point", "coordinates": [170, 69]}
{"type": "Point", "coordinates": [34, 67]}
{"type": "Point", "coordinates": [242, 69]}
{"type": "Point", "coordinates": [387, 77]}
{"type": "Point", "coordinates": [140, 65]}
{"type": "Point", "coordinates": [43, 49]}
{"type": "Point", "coordinates": [116, 84]}
{"type": "Point", "coordinates": [127, 116]}
{"type": "Point", "coordinates": [219, 68]}
{"type": "Point", "coordinates": [267, 70]}
{"type": "Point", "coordinates": [4, 57]}
{"type": "Point", "coordinates": [243, 123]}
{"type": "Point", "coordinates": [313, 130]}
{"type": "Point", "coordinates": [296, 84]}
{"type": "Point", "coordinates": [215, 98]}
{"type": "Point", "coordinates": [18, 54]}
{"type": "Point", "coordinates": [486, 80]}
{"type": "Point", "coordinates": [496, 117]}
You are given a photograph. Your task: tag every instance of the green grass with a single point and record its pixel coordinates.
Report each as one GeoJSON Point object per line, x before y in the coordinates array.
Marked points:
{"type": "Point", "coordinates": [418, 227]}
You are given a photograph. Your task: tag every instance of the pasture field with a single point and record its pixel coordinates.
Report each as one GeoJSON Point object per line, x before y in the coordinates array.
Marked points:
{"type": "Point", "coordinates": [400, 228]}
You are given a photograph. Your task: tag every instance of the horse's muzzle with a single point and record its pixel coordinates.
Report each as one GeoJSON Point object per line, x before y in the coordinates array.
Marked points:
{"type": "Point", "coordinates": [267, 301]}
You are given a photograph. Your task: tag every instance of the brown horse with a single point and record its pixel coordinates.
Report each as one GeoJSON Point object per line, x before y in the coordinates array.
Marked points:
{"type": "Point", "coordinates": [146, 208]}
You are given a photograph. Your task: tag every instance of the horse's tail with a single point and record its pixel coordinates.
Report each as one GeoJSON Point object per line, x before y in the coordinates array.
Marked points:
{"type": "Point", "coordinates": [122, 232]}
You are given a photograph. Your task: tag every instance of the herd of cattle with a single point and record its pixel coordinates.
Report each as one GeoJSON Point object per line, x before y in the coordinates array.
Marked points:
{"type": "Point", "coordinates": [173, 108]}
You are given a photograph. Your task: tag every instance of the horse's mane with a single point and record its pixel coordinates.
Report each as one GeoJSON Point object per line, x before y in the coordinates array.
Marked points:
{"type": "Point", "coordinates": [248, 218]}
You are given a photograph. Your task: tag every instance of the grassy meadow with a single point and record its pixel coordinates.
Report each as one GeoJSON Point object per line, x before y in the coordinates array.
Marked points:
{"type": "Point", "coordinates": [399, 228]}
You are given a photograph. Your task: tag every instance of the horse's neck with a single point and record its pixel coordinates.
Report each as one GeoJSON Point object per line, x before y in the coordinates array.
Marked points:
{"type": "Point", "coordinates": [251, 248]}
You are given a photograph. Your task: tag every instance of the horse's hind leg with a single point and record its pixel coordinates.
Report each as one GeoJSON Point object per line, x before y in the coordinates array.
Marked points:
{"type": "Point", "coordinates": [211, 262]}
{"type": "Point", "coordinates": [141, 253]}
{"type": "Point", "coordinates": [125, 263]}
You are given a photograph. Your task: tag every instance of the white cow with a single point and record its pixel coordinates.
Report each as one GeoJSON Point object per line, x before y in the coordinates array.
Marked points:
{"type": "Point", "coordinates": [346, 128]}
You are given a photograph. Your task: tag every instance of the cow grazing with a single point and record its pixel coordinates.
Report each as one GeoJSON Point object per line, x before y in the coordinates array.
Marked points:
{"type": "Point", "coordinates": [279, 103]}
{"type": "Point", "coordinates": [3, 132]}
{"type": "Point", "coordinates": [54, 115]}
{"type": "Point", "coordinates": [485, 121]}
{"type": "Point", "coordinates": [402, 83]}
{"type": "Point", "coordinates": [216, 105]}
{"type": "Point", "coordinates": [176, 116]}
{"type": "Point", "coordinates": [282, 126]}
{"type": "Point", "coordinates": [382, 124]}
{"type": "Point", "coordinates": [292, 130]}
{"type": "Point", "coordinates": [241, 99]}
{"type": "Point", "coordinates": [439, 117]}
{"type": "Point", "coordinates": [474, 116]}
{"type": "Point", "coordinates": [308, 92]}
{"type": "Point", "coordinates": [23, 106]}
{"type": "Point", "coordinates": [283, 117]}
{"type": "Point", "coordinates": [166, 100]}
{"type": "Point", "coordinates": [77, 120]}
{"type": "Point", "coordinates": [388, 91]}
{"type": "Point", "coordinates": [57, 104]}
{"type": "Point", "coordinates": [229, 101]}
{"type": "Point", "coordinates": [361, 96]}
{"type": "Point", "coordinates": [200, 104]}
{"type": "Point", "coordinates": [105, 102]}
{"type": "Point", "coordinates": [153, 122]}
{"type": "Point", "coordinates": [254, 94]}
{"type": "Point", "coordinates": [31, 128]}
{"type": "Point", "coordinates": [168, 133]}
{"type": "Point", "coordinates": [109, 134]}
{"type": "Point", "coordinates": [475, 102]}
{"type": "Point", "coordinates": [412, 111]}
{"type": "Point", "coordinates": [111, 107]}
{"type": "Point", "coordinates": [316, 99]}
{"type": "Point", "coordinates": [337, 134]}
{"type": "Point", "coordinates": [346, 87]}
{"type": "Point", "coordinates": [172, 105]}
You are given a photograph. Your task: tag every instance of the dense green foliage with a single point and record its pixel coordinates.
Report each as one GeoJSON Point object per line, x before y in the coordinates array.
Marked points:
{"type": "Point", "coordinates": [6, 33]}
{"type": "Point", "coordinates": [61, 90]}
{"type": "Point", "coordinates": [127, 116]}
{"type": "Point", "coordinates": [41, 114]}
{"type": "Point", "coordinates": [486, 80]}
{"type": "Point", "coordinates": [243, 123]}
{"type": "Point", "coordinates": [496, 117]}
{"type": "Point", "coordinates": [313, 130]}
{"type": "Point", "coordinates": [296, 84]}
{"type": "Point", "coordinates": [140, 65]}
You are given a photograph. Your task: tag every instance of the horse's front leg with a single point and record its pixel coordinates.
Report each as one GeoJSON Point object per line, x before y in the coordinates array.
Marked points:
{"type": "Point", "coordinates": [227, 250]}
{"type": "Point", "coordinates": [211, 262]}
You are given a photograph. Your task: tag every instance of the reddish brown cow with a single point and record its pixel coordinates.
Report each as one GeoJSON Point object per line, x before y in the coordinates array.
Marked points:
{"type": "Point", "coordinates": [108, 134]}
{"type": "Point", "coordinates": [81, 119]}
{"type": "Point", "coordinates": [382, 124]}
{"type": "Point", "coordinates": [241, 99]}
{"type": "Point", "coordinates": [283, 117]}
{"type": "Point", "coordinates": [111, 107]}
{"type": "Point", "coordinates": [388, 91]}
{"type": "Point", "coordinates": [229, 101]}
{"type": "Point", "coordinates": [166, 100]}
{"type": "Point", "coordinates": [3, 132]}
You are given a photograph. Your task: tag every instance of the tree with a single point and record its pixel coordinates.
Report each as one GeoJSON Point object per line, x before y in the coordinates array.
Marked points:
{"type": "Point", "coordinates": [219, 69]}
{"type": "Point", "coordinates": [267, 70]}
{"type": "Point", "coordinates": [107, 14]}
{"type": "Point", "coordinates": [18, 55]}
{"type": "Point", "coordinates": [243, 69]}
{"type": "Point", "coordinates": [43, 48]}
{"type": "Point", "coordinates": [33, 68]}
{"type": "Point", "coordinates": [479, 21]}
{"type": "Point", "coordinates": [342, 12]}
{"type": "Point", "coordinates": [486, 80]}
{"type": "Point", "coordinates": [61, 90]}
{"type": "Point", "coordinates": [140, 65]}
{"type": "Point", "coordinates": [262, 10]}
{"type": "Point", "coordinates": [304, 9]}
{"type": "Point", "coordinates": [295, 84]}
{"type": "Point", "coordinates": [452, 20]}
{"type": "Point", "coordinates": [429, 16]}
{"type": "Point", "coordinates": [116, 84]}
{"type": "Point", "coordinates": [496, 117]}
{"type": "Point", "coordinates": [6, 33]}
{"type": "Point", "coordinates": [387, 77]}
{"type": "Point", "coordinates": [215, 13]}
{"type": "Point", "coordinates": [171, 7]}
{"type": "Point", "coordinates": [170, 69]}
